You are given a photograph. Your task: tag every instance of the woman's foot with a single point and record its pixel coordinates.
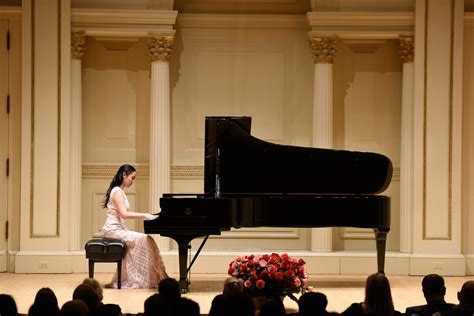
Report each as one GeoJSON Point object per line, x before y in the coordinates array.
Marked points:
{"type": "Point", "coordinates": [110, 286]}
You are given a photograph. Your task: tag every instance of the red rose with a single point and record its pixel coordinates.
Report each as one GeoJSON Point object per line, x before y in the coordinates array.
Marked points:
{"type": "Point", "coordinates": [253, 277]}
{"type": "Point", "coordinates": [272, 268]}
{"type": "Point", "coordinates": [260, 284]}
{"type": "Point", "coordinates": [279, 276]}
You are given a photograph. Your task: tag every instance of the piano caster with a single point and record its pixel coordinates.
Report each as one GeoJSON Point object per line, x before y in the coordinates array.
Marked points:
{"type": "Point", "coordinates": [183, 286]}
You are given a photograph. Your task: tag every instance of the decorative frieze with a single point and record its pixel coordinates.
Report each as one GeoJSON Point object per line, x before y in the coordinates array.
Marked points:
{"type": "Point", "coordinates": [78, 44]}
{"type": "Point", "coordinates": [160, 47]}
{"type": "Point", "coordinates": [323, 49]}
{"type": "Point", "coordinates": [143, 171]}
{"type": "Point", "coordinates": [407, 49]}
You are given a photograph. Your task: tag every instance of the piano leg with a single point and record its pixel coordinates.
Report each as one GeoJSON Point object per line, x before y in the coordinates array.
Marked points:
{"type": "Point", "coordinates": [183, 265]}
{"type": "Point", "coordinates": [381, 238]}
{"type": "Point", "coordinates": [184, 244]}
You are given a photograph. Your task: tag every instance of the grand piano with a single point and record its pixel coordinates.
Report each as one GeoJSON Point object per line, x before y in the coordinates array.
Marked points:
{"type": "Point", "coordinates": [249, 182]}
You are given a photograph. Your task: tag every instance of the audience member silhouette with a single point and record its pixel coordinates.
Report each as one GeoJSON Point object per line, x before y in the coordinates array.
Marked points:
{"type": "Point", "coordinates": [97, 287]}
{"type": "Point", "coordinates": [45, 303]}
{"type": "Point", "coordinates": [466, 301]}
{"type": "Point", "coordinates": [313, 304]}
{"type": "Point", "coordinates": [233, 285]}
{"type": "Point", "coordinates": [434, 291]}
{"type": "Point", "coordinates": [378, 299]}
{"type": "Point", "coordinates": [236, 304]}
{"type": "Point", "coordinates": [155, 305]}
{"type": "Point", "coordinates": [273, 308]}
{"type": "Point", "coordinates": [102, 309]}
{"type": "Point", "coordinates": [8, 305]}
{"type": "Point", "coordinates": [187, 307]}
{"type": "Point", "coordinates": [88, 294]}
{"type": "Point", "coordinates": [218, 305]}
{"type": "Point", "coordinates": [169, 289]}
{"type": "Point", "coordinates": [75, 308]}
{"type": "Point", "coordinates": [109, 310]}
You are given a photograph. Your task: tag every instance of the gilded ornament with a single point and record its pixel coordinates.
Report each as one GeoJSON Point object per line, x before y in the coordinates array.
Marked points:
{"type": "Point", "coordinates": [78, 45]}
{"type": "Point", "coordinates": [160, 47]}
{"type": "Point", "coordinates": [323, 49]}
{"type": "Point", "coordinates": [406, 49]}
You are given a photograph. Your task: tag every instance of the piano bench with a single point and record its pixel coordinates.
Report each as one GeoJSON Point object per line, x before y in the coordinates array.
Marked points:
{"type": "Point", "coordinates": [106, 250]}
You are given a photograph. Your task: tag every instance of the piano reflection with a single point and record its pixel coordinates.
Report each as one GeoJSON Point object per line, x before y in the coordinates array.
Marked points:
{"type": "Point", "coordinates": [249, 182]}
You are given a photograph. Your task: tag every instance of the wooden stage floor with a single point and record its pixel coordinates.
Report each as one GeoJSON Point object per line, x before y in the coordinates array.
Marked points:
{"type": "Point", "coordinates": [340, 290]}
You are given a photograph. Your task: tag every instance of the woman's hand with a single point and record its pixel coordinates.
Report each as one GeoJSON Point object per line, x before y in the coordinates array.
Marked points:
{"type": "Point", "coordinates": [150, 217]}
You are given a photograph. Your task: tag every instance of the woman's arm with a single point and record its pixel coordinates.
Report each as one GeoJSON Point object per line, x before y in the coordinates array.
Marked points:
{"type": "Point", "coordinates": [119, 201]}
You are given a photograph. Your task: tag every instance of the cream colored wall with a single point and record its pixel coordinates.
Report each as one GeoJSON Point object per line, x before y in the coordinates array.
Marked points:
{"type": "Point", "coordinates": [4, 132]}
{"type": "Point", "coordinates": [12, 15]}
{"type": "Point", "coordinates": [15, 137]}
{"type": "Point", "coordinates": [116, 101]}
{"type": "Point", "coordinates": [367, 101]}
{"type": "Point", "coordinates": [116, 130]}
{"type": "Point", "coordinates": [468, 145]}
{"type": "Point", "coordinates": [262, 73]}
{"type": "Point", "coordinates": [45, 97]}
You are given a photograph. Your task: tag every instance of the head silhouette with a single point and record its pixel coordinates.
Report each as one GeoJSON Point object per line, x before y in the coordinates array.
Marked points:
{"type": "Point", "coordinates": [312, 303]}
{"type": "Point", "coordinates": [466, 295]}
{"type": "Point", "coordinates": [45, 303]}
{"type": "Point", "coordinates": [378, 296]}
{"type": "Point", "coordinates": [433, 287]}
{"type": "Point", "coordinates": [8, 305]}
{"type": "Point", "coordinates": [169, 289]}
{"type": "Point", "coordinates": [233, 285]}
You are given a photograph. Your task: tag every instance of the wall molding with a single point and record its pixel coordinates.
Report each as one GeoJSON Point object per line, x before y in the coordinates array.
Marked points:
{"type": "Point", "coordinates": [468, 19]}
{"type": "Point", "coordinates": [107, 171]}
{"type": "Point", "coordinates": [361, 25]}
{"type": "Point", "coordinates": [121, 22]}
{"type": "Point", "coordinates": [239, 21]}
{"type": "Point", "coordinates": [212, 262]}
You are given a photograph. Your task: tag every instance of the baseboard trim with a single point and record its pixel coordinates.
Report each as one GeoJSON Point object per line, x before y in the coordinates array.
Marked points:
{"type": "Point", "coordinates": [212, 262]}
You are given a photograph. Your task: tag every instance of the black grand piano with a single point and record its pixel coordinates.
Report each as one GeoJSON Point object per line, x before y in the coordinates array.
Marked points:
{"type": "Point", "coordinates": [249, 182]}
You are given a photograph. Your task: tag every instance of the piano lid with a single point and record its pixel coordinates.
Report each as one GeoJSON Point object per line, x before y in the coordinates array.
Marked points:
{"type": "Point", "coordinates": [238, 163]}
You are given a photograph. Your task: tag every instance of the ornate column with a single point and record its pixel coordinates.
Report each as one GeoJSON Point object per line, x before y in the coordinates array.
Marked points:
{"type": "Point", "coordinates": [78, 42]}
{"type": "Point", "coordinates": [160, 51]}
{"type": "Point", "coordinates": [406, 151]}
{"type": "Point", "coordinates": [324, 51]}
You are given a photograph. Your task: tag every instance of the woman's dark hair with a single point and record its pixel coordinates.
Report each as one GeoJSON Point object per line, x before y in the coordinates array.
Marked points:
{"type": "Point", "coordinates": [117, 181]}
{"type": "Point", "coordinates": [8, 305]}
{"type": "Point", "coordinates": [312, 303]}
{"type": "Point", "coordinates": [378, 296]}
{"type": "Point", "coordinates": [45, 303]}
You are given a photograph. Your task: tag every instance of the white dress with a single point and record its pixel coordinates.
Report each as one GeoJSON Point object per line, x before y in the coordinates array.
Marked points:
{"type": "Point", "coordinates": [142, 266]}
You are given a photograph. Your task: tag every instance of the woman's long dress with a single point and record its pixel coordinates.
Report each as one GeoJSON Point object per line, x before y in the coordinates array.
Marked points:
{"type": "Point", "coordinates": [142, 266]}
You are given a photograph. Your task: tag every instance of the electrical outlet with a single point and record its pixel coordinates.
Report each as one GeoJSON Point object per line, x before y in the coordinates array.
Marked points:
{"type": "Point", "coordinates": [438, 265]}
{"type": "Point", "coordinates": [43, 264]}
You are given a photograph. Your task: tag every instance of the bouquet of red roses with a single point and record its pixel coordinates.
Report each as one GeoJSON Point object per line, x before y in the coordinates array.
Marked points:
{"type": "Point", "coordinates": [270, 275]}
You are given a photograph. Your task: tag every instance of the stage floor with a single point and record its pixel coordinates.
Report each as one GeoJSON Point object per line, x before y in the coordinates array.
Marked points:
{"type": "Point", "coordinates": [340, 290]}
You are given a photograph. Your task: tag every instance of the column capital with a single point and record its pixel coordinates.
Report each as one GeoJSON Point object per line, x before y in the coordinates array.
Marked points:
{"type": "Point", "coordinates": [407, 49]}
{"type": "Point", "coordinates": [78, 44]}
{"type": "Point", "coordinates": [160, 47]}
{"type": "Point", "coordinates": [323, 49]}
